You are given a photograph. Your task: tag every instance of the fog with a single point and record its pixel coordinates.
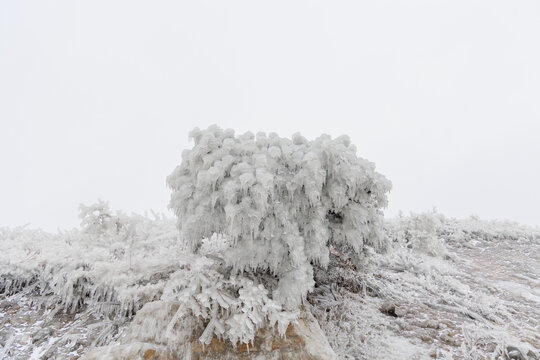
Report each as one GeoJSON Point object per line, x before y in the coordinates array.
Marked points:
{"type": "Point", "coordinates": [97, 98]}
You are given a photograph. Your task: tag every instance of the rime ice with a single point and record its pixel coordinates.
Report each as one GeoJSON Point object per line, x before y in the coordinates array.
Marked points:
{"type": "Point", "coordinates": [279, 201]}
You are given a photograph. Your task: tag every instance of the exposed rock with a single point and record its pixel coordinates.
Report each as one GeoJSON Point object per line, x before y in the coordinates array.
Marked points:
{"type": "Point", "coordinates": [149, 354]}
{"type": "Point", "coordinates": [135, 350]}
{"type": "Point", "coordinates": [303, 340]}
{"type": "Point", "coordinates": [428, 324]}
{"type": "Point", "coordinates": [401, 311]}
{"type": "Point", "coordinates": [513, 353]}
{"type": "Point", "coordinates": [42, 335]}
{"type": "Point", "coordinates": [388, 308]}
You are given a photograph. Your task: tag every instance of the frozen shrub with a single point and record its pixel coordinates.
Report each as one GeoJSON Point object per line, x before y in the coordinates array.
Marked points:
{"type": "Point", "coordinates": [279, 202]}
{"type": "Point", "coordinates": [229, 307]}
{"type": "Point", "coordinates": [419, 232]}
{"type": "Point", "coordinates": [98, 219]}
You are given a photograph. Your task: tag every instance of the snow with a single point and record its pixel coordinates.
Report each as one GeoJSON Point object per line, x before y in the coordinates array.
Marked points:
{"type": "Point", "coordinates": [471, 299]}
{"type": "Point", "coordinates": [98, 275]}
{"type": "Point", "coordinates": [463, 302]}
{"type": "Point", "coordinates": [268, 228]}
{"type": "Point", "coordinates": [278, 201]}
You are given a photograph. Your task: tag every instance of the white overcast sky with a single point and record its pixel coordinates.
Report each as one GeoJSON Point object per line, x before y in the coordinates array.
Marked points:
{"type": "Point", "coordinates": [97, 97]}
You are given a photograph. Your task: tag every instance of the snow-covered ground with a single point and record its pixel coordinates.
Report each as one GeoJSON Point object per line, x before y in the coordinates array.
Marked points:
{"type": "Point", "coordinates": [445, 289]}
{"type": "Point", "coordinates": [478, 298]}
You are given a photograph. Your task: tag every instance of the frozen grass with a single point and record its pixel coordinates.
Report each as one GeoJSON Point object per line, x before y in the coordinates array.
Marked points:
{"type": "Point", "coordinates": [115, 273]}
{"type": "Point", "coordinates": [446, 289]}
{"type": "Point", "coordinates": [114, 266]}
{"type": "Point", "coordinates": [433, 295]}
{"type": "Point", "coordinates": [101, 279]}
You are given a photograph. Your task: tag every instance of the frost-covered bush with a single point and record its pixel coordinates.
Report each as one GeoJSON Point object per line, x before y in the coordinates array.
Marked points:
{"type": "Point", "coordinates": [98, 219]}
{"type": "Point", "coordinates": [75, 269]}
{"type": "Point", "coordinates": [230, 307]}
{"type": "Point", "coordinates": [430, 232]}
{"type": "Point", "coordinates": [473, 228]}
{"type": "Point", "coordinates": [279, 202]}
{"type": "Point", "coordinates": [420, 232]}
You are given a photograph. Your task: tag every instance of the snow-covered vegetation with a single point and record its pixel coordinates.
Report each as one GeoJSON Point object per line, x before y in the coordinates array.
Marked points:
{"type": "Point", "coordinates": [268, 228]}
{"type": "Point", "coordinates": [279, 202]}
{"type": "Point", "coordinates": [476, 296]}
{"type": "Point", "coordinates": [446, 289]}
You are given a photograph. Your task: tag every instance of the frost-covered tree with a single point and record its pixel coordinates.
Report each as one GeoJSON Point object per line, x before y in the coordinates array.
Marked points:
{"type": "Point", "coordinates": [280, 202]}
{"type": "Point", "coordinates": [112, 229]}
{"type": "Point", "coordinates": [98, 219]}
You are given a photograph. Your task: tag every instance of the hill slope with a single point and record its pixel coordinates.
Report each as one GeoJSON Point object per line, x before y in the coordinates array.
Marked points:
{"type": "Point", "coordinates": [445, 289]}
